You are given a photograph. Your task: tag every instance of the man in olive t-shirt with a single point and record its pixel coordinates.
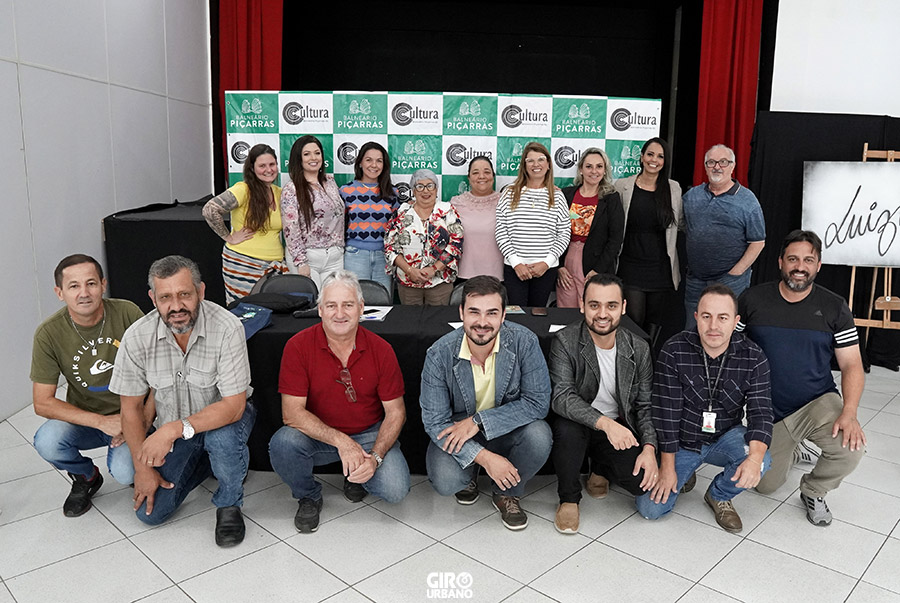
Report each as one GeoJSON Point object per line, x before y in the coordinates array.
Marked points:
{"type": "Point", "coordinates": [80, 341]}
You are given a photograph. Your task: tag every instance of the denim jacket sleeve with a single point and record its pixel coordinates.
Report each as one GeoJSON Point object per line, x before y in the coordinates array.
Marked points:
{"type": "Point", "coordinates": [526, 397]}
{"type": "Point", "coordinates": [436, 400]}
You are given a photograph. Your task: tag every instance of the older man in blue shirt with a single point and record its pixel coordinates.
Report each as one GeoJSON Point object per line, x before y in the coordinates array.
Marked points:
{"type": "Point", "coordinates": [485, 393]}
{"type": "Point", "coordinates": [725, 231]}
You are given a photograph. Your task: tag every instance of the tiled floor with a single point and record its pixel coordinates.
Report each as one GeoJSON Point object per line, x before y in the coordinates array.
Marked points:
{"type": "Point", "coordinates": [406, 553]}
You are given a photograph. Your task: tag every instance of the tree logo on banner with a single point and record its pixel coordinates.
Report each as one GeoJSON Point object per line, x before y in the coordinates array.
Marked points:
{"type": "Point", "coordinates": [363, 107]}
{"type": "Point", "coordinates": [415, 148]}
{"type": "Point", "coordinates": [239, 151]}
{"type": "Point", "coordinates": [254, 106]}
{"type": "Point", "coordinates": [346, 153]}
{"type": "Point", "coordinates": [463, 188]}
{"type": "Point", "coordinates": [518, 149]}
{"type": "Point", "coordinates": [473, 108]}
{"type": "Point", "coordinates": [584, 112]}
{"type": "Point", "coordinates": [565, 157]}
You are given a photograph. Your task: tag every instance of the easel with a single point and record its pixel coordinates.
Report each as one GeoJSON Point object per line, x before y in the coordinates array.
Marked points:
{"type": "Point", "coordinates": [886, 302]}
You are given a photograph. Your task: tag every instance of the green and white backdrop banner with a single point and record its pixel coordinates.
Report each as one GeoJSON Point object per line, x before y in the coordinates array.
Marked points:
{"type": "Point", "coordinates": [440, 131]}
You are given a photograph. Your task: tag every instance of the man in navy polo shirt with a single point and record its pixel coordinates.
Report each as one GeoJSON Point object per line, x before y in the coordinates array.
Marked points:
{"type": "Point", "coordinates": [725, 231]}
{"type": "Point", "coordinates": [342, 400]}
{"type": "Point", "coordinates": [800, 326]}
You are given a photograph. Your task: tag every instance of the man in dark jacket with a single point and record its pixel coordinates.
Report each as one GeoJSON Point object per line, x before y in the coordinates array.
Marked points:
{"type": "Point", "coordinates": [601, 379]}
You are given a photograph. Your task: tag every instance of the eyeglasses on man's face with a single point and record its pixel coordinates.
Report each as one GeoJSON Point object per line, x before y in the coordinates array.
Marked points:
{"type": "Point", "coordinates": [722, 163]}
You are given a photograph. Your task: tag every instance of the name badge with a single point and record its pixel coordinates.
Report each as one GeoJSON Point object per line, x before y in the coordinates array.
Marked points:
{"type": "Point", "coordinates": [709, 422]}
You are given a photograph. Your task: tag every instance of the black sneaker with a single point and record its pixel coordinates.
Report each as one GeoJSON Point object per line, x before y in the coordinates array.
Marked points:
{"type": "Point", "coordinates": [79, 500]}
{"type": "Point", "coordinates": [354, 492]}
{"type": "Point", "coordinates": [469, 494]}
{"type": "Point", "coordinates": [307, 518]}
{"type": "Point", "coordinates": [230, 527]}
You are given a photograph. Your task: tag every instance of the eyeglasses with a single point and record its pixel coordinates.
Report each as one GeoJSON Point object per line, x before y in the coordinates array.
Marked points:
{"type": "Point", "coordinates": [723, 163]}
{"type": "Point", "coordinates": [540, 159]}
{"type": "Point", "coordinates": [425, 187]}
{"type": "Point", "coordinates": [348, 385]}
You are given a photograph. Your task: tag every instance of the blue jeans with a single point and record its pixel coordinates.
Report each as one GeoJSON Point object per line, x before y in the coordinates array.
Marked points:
{"type": "Point", "coordinates": [294, 455]}
{"type": "Point", "coordinates": [728, 451]}
{"type": "Point", "coordinates": [368, 265]}
{"type": "Point", "coordinates": [526, 447]}
{"type": "Point", "coordinates": [694, 286]}
{"type": "Point", "coordinates": [220, 452]}
{"type": "Point", "coordinates": [60, 444]}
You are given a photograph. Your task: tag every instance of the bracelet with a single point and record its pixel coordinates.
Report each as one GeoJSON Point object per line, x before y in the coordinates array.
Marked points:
{"type": "Point", "coordinates": [755, 461]}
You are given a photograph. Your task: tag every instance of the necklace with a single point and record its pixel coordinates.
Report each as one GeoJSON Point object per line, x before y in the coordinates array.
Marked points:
{"type": "Point", "coordinates": [93, 346]}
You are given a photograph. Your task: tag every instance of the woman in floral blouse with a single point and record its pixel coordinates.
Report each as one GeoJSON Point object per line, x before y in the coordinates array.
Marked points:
{"type": "Point", "coordinates": [313, 213]}
{"type": "Point", "coordinates": [423, 244]}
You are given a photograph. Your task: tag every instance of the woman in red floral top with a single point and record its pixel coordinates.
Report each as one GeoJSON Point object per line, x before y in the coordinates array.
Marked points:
{"type": "Point", "coordinates": [423, 244]}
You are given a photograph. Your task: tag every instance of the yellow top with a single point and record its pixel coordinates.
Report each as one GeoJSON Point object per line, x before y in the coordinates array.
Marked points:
{"type": "Point", "coordinates": [484, 378]}
{"type": "Point", "coordinates": [266, 245]}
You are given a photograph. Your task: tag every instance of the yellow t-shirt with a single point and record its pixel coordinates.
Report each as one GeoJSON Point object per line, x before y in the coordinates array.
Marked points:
{"type": "Point", "coordinates": [266, 245]}
{"type": "Point", "coordinates": [485, 381]}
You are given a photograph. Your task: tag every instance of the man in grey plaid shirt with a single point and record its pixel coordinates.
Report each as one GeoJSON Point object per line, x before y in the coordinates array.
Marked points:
{"type": "Point", "coordinates": [192, 353]}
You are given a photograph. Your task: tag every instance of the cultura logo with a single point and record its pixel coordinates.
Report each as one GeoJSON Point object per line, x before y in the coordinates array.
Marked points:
{"type": "Point", "coordinates": [294, 113]}
{"type": "Point", "coordinates": [458, 154]}
{"type": "Point", "coordinates": [584, 112]}
{"type": "Point", "coordinates": [404, 114]}
{"type": "Point", "coordinates": [404, 191]}
{"type": "Point", "coordinates": [363, 107]}
{"type": "Point", "coordinates": [346, 153]}
{"type": "Point", "coordinates": [565, 157]}
{"type": "Point", "coordinates": [415, 148]}
{"type": "Point", "coordinates": [254, 106]}
{"type": "Point", "coordinates": [473, 108]}
{"type": "Point", "coordinates": [621, 119]}
{"type": "Point", "coordinates": [514, 116]}
{"type": "Point", "coordinates": [239, 151]}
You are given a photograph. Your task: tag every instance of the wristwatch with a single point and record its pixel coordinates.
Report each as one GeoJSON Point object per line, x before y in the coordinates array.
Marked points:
{"type": "Point", "coordinates": [187, 430]}
{"type": "Point", "coordinates": [377, 457]}
{"type": "Point", "coordinates": [476, 418]}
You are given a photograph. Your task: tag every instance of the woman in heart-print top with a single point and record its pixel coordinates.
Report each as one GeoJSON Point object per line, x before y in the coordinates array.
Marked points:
{"type": "Point", "coordinates": [368, 212]}
{"type": "Point", "coordinates": [423, 244]}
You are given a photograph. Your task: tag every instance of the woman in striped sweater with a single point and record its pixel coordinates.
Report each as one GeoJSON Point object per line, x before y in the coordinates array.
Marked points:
{"type": "Point", "coordinates": [533, 229]}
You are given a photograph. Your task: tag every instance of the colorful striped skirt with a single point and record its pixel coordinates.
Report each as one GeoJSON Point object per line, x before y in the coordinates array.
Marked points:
{"type": "Point", "coordinates": [241, 272]}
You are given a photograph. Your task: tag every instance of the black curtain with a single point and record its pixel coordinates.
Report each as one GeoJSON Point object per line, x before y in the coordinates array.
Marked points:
{"type": "Point", "coordinates": [782, 141]}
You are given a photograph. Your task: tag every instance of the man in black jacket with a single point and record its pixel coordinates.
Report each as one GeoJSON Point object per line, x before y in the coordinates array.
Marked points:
{"type": "Point", "coordinates": [601, 379]}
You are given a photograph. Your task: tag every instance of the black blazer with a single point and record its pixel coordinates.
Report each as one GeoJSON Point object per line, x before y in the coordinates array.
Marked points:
{"type": "Point", "coordinates": [604, 242]}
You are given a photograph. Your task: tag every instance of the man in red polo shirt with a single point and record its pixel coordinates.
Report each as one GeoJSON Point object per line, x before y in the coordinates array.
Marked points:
{"type": "Point", "coordinates": [342, 399]}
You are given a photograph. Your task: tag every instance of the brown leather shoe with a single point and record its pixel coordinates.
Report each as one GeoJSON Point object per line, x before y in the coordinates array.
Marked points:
{"type": "Point", "coordinates": [567, 518]}
{"type": "Point", "coordinates": [597, 486]}
{"type": "Point", "coordinates": [690, 483]}
{"type": "Point", "coordinates": [726, 516]}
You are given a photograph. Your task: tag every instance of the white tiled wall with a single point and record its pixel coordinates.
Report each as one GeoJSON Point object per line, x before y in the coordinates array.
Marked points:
{"type": "Point", "coordinates": [104, 106]}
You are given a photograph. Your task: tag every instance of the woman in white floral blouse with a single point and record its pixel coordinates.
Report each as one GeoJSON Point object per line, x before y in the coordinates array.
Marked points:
{"type": "Point", "coordinates": [423, 244]}
{"type": "Point", "coordinates": [312, 213]}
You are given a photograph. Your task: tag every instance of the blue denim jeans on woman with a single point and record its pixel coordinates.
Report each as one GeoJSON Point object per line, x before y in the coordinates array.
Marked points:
{"type": "Point", "coordinates": [219, 452]}
{"type": "Point", "coordinates": [60, 444]}
{"type": "Point", "coordinates": [367, 264]}
{"type": "Point", "coordinates": [728, 451]}
{"type": "Point", "coordinates": [294, 455]}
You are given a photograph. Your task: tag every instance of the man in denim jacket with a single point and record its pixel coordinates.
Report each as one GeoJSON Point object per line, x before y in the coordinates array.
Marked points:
{"type": "Point", "coordinates": [485, 393]}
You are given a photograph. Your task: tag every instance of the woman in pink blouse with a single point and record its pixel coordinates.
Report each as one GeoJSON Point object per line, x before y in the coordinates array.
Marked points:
{"type": "Point", "coordinates": [423, 243]}
{"type": "Point", "coordinates": [312, 212]}
{"type": "Point", "coordinates": [477, 210]}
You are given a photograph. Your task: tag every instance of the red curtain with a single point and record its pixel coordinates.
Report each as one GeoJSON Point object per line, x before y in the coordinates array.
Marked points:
{"type": "Point", "coordinates": [249, 46]}
{"type": "Point", "coordinates": [729, 70]}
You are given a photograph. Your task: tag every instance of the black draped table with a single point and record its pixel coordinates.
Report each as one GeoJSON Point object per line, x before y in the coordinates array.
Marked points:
{"type": "Point", "coordinates": [410, 330]}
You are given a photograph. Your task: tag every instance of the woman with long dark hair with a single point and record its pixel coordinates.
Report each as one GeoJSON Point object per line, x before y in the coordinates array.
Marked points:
{"type": "Point", "coordinates": [253, 245]}
{"type": "Point", "coordinates": [369, 201]}
{"type": "Point", "coordinates": [648, 263]}
{"type": "Point", "coordinates": [313, 213]}
{"type": "Point", "coordinates": [532, 229]}
{"type": "Point", "coordinates": [598, 225]}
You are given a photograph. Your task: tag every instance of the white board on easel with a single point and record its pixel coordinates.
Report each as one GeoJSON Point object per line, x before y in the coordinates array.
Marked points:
{"type": "Point", "coordinates": [855, 208]}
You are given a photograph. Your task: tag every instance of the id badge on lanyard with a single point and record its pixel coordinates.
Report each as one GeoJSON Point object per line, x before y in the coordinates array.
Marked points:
{"type": "Point", "coordinates": [709, 417]}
